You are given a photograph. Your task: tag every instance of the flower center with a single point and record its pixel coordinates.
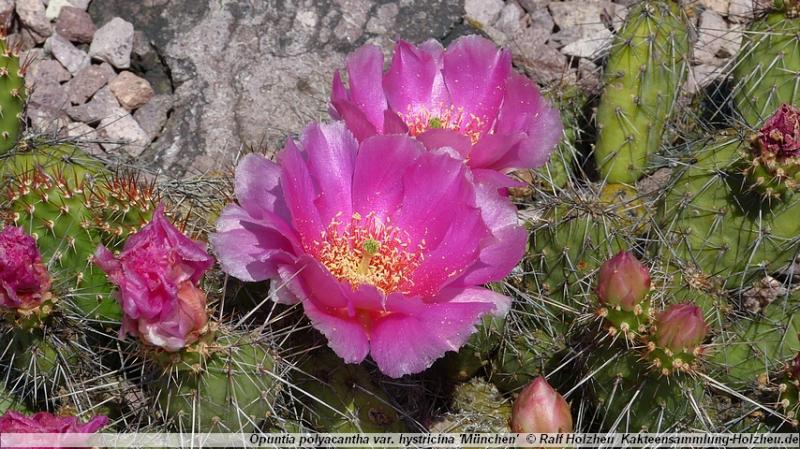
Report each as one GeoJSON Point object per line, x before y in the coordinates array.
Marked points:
{"type": "Point", "coordinates": [452, 118]}
{"type": "Point", "coordinates": [366, 251]}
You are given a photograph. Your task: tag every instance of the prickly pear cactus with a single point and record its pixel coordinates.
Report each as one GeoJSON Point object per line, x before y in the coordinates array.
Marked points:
{"type": "Point", "coordinates": [227, 384]}
{"type": "Point", "coordinates": [768, 67]}
{"type": "Point", "coordinates": [646, 67]}
{"type": "Point", "coordinates": [12, 95]}
{"type": "Point", "coordinates": [342, 398]}
{"type": "Point", "coordinates": [478, 408]}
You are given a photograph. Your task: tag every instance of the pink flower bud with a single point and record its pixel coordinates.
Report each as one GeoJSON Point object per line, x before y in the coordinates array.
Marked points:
{"type": "Point", "coordinates": [623, 281]}
{"type": "Point", "coordinates": [681, 327]}
{"type": "Point", "coordinates": [158, 273]}
{"type": "Point", "coordinates": [540, 409]}
{"type": "Point", "coordinates": [780, 134]}
{"type": "Point", "coordinates": [24, 281]}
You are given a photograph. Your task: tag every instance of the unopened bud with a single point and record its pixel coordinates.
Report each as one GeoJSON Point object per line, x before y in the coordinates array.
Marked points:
{"type": "Point", "coordinates": [681, 327]}
{"type": "Point", "coordinates": [540, 409]}
{"type": "Point", "coordinates": [623, 281]}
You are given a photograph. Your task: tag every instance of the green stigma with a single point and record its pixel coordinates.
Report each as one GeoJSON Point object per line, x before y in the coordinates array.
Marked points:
{"type": "Point", "coordinates": [435, 123]}
{"type": "Point", "coordinates": [371, 246]}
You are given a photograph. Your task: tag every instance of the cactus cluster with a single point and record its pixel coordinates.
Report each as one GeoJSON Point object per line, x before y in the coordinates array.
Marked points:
{"type": "Point", "coordinates": [657, 291]}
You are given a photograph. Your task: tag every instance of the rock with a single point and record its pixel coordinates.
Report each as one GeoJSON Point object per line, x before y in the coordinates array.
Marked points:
{"type": "Point", "coordinates": [49, 94]}
{"type": "Point", "coordinates": [131, 91]}
{"type": "Point", "coordinates": [6, 14]}
{"type": "Point", "coordinates": [85, 136]}
{"type": "Point", "coordinates": [153, 115]}
{"type": "Point", "coordinates": [510, 19]}
{"type": "Point", "coordinates": [113, 43]}
{"type": "Point", "coordinates": [545, 64]}
{"type": "Point", "coordinates": [103, 104]}
{"type": "Point", "coordinates": [589, 76]}
{"type": "Point", "coordinates": [579, 19]}
{"type": "Point", "coordinates": [231, 64]}
{"type": "Point", "coordinates": [711, 41]}
{"type": "Point", "coordinates": [533, 5]}
{"type": "Point", "coordinates": [67, 54]}
{"type": "Point", "coordinates": [45, 71]}
{"type": "Point", "coordinates": [589, 47]}
{"type": "Point", "coordinates": [122, 131]}
{"type": "Point", "coordinates": [702, 75]}
{"type": "Point", "coordinates": [75, 25]}
{"type": "Point", "coordinates": [88, 81]}
{"type": "Point", "coordinates": [718, 6]}
{"type": "Point", "coordinates": [741, 11]}
{"type": "Point", "coordinates": [383, 20]}
{"type": "Point", "coordinates": [32, 15]}
{"type": "Point", "coordinates": [541, 21]}
{"type": "Point", "coordinates": [485, 12]}
{"type": "Point", "coordinates": [54, 7]}
{"type": "Point", "coordinates": [46, 119]}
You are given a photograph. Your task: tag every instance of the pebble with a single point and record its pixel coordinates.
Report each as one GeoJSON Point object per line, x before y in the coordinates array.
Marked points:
{"type": "Point", "coordinates": [54, 7]}
{"type": "Point", "coordinates": [71, 57]}
{"type": "Point", "coordinates": [103, 104]}
{"type": "Point", "coordinates": [113, 43]}
{"type": "Point", "coordinates": [131, 91]}
{"type": "Point", "coordinates": [46, 71]}
{"type": "Point", "coordinates": [153, 115]}
{"type": "Point", "coordinates": [6, 13]}
{"type": "Point", "coordinates": [32, 15]}
{"type": "Point", "coordinates": [122, 131]}
{"type": "Point", "coordinates": [75, 25]}
{"type": "Point", "coordinates": [485, 12]}
{"type": "Point", "coordinates": [88, 81]}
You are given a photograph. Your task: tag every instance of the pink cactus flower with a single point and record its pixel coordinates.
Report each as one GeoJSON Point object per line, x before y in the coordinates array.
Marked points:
{"type": "Point", "coordinates": [681, 327]}
{"type": "Point", "coordinates": [780, 135]}
{"type": "Point", "coordinates": [623, 281]}
{"type": "Point", "coordinates": [385, 244]}
{"type": "Point", "coordinates": [157, 274]}
{"type": "Point", "coordinates": [540, 409]}
{"type": "Point", "coordinates": [43, 422]}
{"type": "Point", "coordinates": [24, 281]}
{"type": "Point", "coordinates": [466, 97]}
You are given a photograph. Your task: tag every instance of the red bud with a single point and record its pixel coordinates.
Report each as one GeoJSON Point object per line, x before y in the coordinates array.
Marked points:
{"type": "Point", "coordinates": [681, 327]}
{"type": "Point", "coordinates": [623, 281]}
{"type": "Point", "coordinates": [540, 409]}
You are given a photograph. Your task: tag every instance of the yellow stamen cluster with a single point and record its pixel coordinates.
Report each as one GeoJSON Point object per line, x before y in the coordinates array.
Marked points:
{"type": "Point", "coordinates": [368, 251]}
{"type": "Point", "coordinates": [445, 117]}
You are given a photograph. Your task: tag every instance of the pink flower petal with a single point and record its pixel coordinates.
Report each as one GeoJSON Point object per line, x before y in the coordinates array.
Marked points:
{"type": "Point", "coordinates": [331, 151]}
{"type": "Point", "coordinates": [257, 187]}
{"type": "Point", "coordinates": [413, 80]}
{"type": "Point", "coordinates": [300, 195]}
{"type": "Point", "coordinates": [365, 73]}
{"type": "Point", "coordinates": [441, 138]}
{"type": "Point", "coordinates": [406, 344]}
{"type": "Point", "coordinates": [475, 73]}
{"type": "Point", "coordinates": [346, 337]}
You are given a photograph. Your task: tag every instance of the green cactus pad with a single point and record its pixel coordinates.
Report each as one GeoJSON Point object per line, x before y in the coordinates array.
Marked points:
{"type": "Point", "coordinates": [646, 67]}
{"type": "Point", "coordinates": [476, 354]}
{"type": "Point", "coordinates": [342, 398]}
{"type": "Point", "coordinates": [767, 71]}
{"type": "Point", "coordinates": [229, 385]}
{"type": "Point", "coordinates": [12, 96]}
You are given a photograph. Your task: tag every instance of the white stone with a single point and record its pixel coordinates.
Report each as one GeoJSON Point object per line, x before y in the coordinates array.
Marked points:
{"type": "Point", "coordinates": [741, 11]}
{"type": "Point", "coordinates": [589, 47]}
{"type": "Point", "coordinates": [510, 19]}
{"type": "Point", "coordinates": [718, 6]}
{"type": "Point", "coordinates": [120, 130]}
{"type": "Point", "coordinates": [711, 38]}
{"type": "Point", "coordinates": [54, 7]}
{"type": "Point", "coordinates": [484, 12]}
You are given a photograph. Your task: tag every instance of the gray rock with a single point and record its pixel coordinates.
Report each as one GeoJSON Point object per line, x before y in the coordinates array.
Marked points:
{"type": "Point", "coordinates": [50, 95]}
{"type": "Point", "coordinates": [46, 119]}
{"type": "Point", "coordinates": [32, 15]}
{"type": "Point", "coordinates": [485, 12]}
{"type": "Point", "coordinates": [103, 104]}
{"type": "Point", "coordinates": [533, 5]}
{"type": "Point", "coordinates": [589, 47]}
{"type": "Point", "coordinates": [131, 91]}
{"type": "Point", "coordinates": [75, 25]}
{"type": "Point", "coordinates": [85, 136]}
{"type": "Point", "coordinates": [153, 116]}
{"type": "Point", "coordinates": [54, 7]}
{"type": "Point", "coordinates": [581, 20]}
{"type": "Point", "coordinates": [6, 14]}
{"type": "Point", "coordinates": [122, 131]}
{"type": "Point", "coordinates": [113, 43]}
{"type": "Point", "coordinates": [71, 57]}
{"type": "Point", "coordinates": [88, 81]}
{"type": "Point", "coordinates": [510, 19]}
{"type": "Point", "coordinates": [234, 63]}
{"type": "Point", "coordinates": [702, 75]}
{"type": "Point", "coordinates": [545, 64]}
{"type": "Point", "coordinates": [718, 6]}
{"type": "Point", "coordinates": [45, 71]}
{"type": "Point", "coordinates": [384, 18]}
{"type": "Point", "coordinates": [741, 11]}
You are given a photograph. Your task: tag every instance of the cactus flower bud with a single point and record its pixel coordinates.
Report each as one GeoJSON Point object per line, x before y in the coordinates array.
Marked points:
{"type": "Point", "coordinates": [780, 135]}
{"type": "Point", "coordinates": [24, 281]}
{"type": "Point", "coordinates": [540, 409]}
{"type": "Point", "coordinates": [623, 281]}
{"type": "Point", "coordinates": [681, 327]}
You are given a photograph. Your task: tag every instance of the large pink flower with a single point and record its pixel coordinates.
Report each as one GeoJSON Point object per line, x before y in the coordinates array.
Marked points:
{"type": "Point", "coordinates": [466, 97]}
{"type": "Point", "coordinates": [157, 274]}
{"type": "Point", "coordinates": [43, 422]}
{"type": "Point", "coordinates": [24, 281]}
{"type": "Point", "coordinates": [383, 242]}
